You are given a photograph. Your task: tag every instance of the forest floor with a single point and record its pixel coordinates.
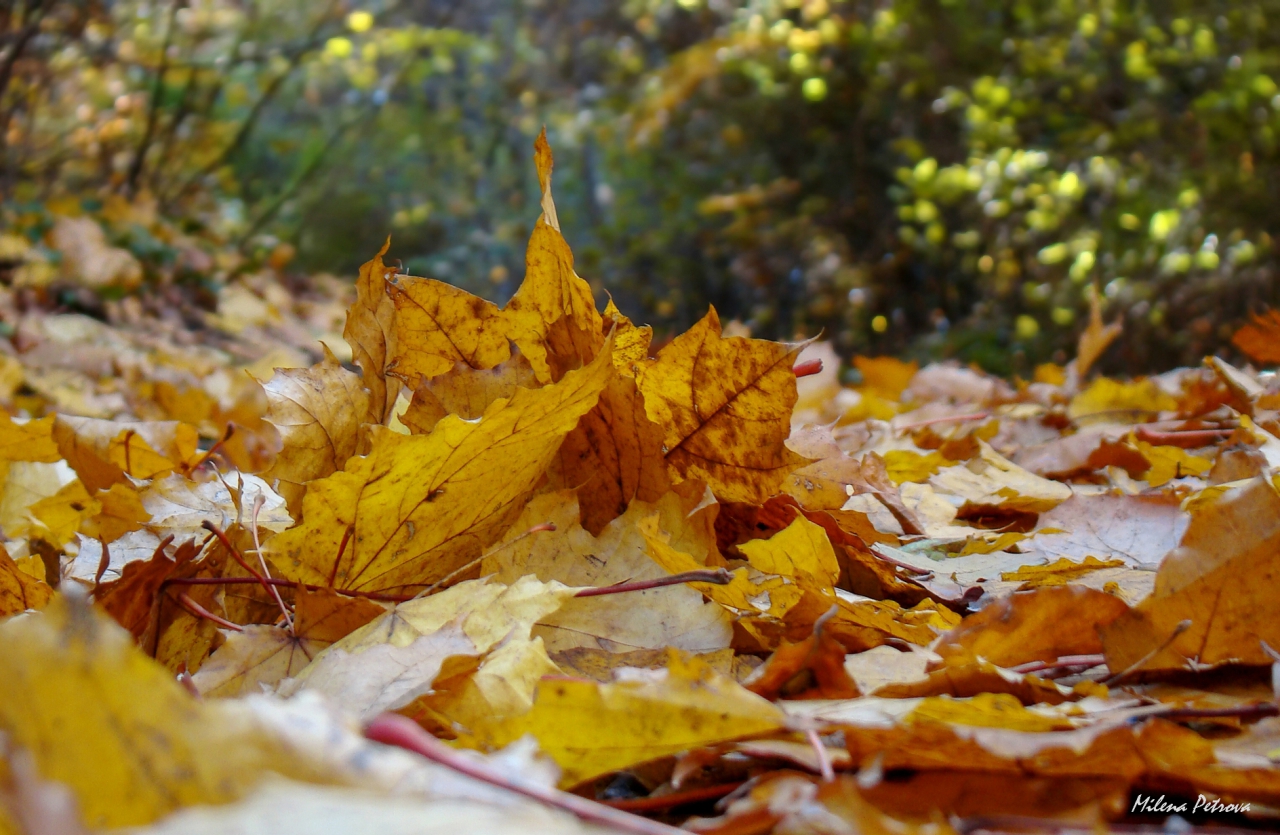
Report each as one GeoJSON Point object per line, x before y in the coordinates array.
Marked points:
{"type": "Point", "coordinates": [308, 557]}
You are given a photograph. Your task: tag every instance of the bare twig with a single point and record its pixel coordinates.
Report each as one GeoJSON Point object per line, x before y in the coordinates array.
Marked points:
{"type": "Point", "coordinates": [1065, 662]}
{"type": "Point", "coordinates": [1184, 438]}
{"type": "Point", "coordinates": [403, 732]}
{"type": "Point", "coordinates": [153, 109]}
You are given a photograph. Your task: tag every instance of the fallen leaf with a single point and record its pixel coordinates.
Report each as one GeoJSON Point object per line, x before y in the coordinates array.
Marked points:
{"type": "Point", "coordinates": [256, 657]}
{"type": "Point", "coordinates": [102, 452]}
{"type": "Point", "coordinates": [418, 507]}
{"type": "Point", "coordinates": [1041, 625]}
{"type": "Point", "coordinates": [318, 412]}
{"type": "Point", "coordinates": [591, 729]}
{"type": "Point", "coordinates": [438, 325]}
{"type": "Point", "coordinates": [29, 441]}
{"type": "Point", "coordinates": [553, 316]}
{"type": "Point", "coordinates": [391, 661]}
{"type": "Point", "coordinates": [673, 616]}
{"type": "Point", "coordinates": [1223, 577]}
{"type": "Point", "coordinates": [371, 334]}
{"type": "Point", "coordinates": [614, 456]}
{"type": "Point", "coordinates": [465, 392]}
{"type": "Point", "coordinates": [1120, 402]}
{"type": "Point", "coordinates": [1257, 339]}
{"type": "Point", "coordinates": [20, 591]}
{"type": "Point", "coordinates": [725, 406]}
{"type": "Point", "coordinates": [1137, 529]}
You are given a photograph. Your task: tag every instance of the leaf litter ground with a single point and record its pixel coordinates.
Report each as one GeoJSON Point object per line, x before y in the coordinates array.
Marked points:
{"type": "Point", "coordinates": [514, 569]}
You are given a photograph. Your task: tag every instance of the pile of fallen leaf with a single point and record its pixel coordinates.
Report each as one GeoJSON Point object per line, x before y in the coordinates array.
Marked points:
{"type": "Point", "coordinates": [516, 574]}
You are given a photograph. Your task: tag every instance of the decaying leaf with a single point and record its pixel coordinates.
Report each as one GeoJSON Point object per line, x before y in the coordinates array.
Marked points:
{"type": "Point", "coordinates": [417, 507]}
{"type": "Point", "coordinates": [591, 729]}
{"type": "Point", "coordinates": [437, 325]}
{"type": "Point", "coordinates": [725, 406]}
{"type": "Point", "coordinates": [1223, 578]}
{"type": "Point", "coordinates": [395, 658]}
{"type": "Point", "coordinates": [671, 616]}
{"type": "Point", "coordinates": [371, 334]}
{"type": "Point", "coordinates": [318, 412]}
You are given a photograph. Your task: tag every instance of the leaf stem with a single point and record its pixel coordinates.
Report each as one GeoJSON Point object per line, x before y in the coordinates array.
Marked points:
{"type": "Point", "coordinates": [663, 802]}
{"type": "Point", "coordinates": [824, 757]}
{"type": "Point", "coordinates": [201, 612]}
{"type": "Point", "coordinates": [1066, 662]}
{"type": "Point", "coordinates": [258, 501]}
{"type": "Point", "coordinates": [719, 576]}
{"type": "Point", "coordinates": [950, 419]}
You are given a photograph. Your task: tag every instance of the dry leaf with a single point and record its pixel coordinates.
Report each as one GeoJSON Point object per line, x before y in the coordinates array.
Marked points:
{"type": "Point", "coordinates": [725, 406]}
{"type": "Point", "coordinates": [438, 325]}
{"type": "Point", "coordinates": [591, 729]}
{"type": "Point", "coordinates": [318, 412]}
{"type": "Point", "coordinates": [370, 333]}
{"type": "Point", "coordinates": [417, 507]}
{"type": "Point", "coordinates": [1223, 578]}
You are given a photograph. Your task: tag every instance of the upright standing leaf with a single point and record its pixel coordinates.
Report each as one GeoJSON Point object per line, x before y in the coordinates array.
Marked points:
{"type": "Point", "coordinates": [725, 406]}
{"type": "Point", "coordinates": [318, 412]}
{"type": "Point", "coordinates": [553, 316]}
{"type": "Point", "coordinates": [371, 333]}
{"type": "Point", "coordinates": [437, 325]}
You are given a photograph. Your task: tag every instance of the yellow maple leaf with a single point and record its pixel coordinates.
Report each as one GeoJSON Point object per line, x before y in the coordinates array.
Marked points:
{"type": "Point", "coordinates": [419, 506]}
{"type": "Point", "coordinates": [20, 591]}
{"type": "Point", "coordinates": [553, 316]}
{"type": "Point", "coordinates": [1120, 402]}
{"type": "Point", "coordinates": [800, 549]}
{"type": "Point", "coordinates": [318, 412]}
{"type": "Point", "coordinates": [465, 392]}
{"type": "Point", "coordinates": [30, 441]}
{"type": "Point", "coordinates": [437, 325]}
{"type": "Point", "coordinates": [103, 452]}
{"type": "Point", "coordinates": [370, 331]}
{"type": "Point", "coordinates": [885, 377]}
{"type": "Point", "coordinates": [1169, 462]}
{"type": "Point", "coordinates": [591, 729]}
{"type": "Point", "coordinates": [115, 727]}
{"type": "Point", "coordinates": [725, 406]}
{"type": "Point", "coordinates": [630, 343]}
{"type": "Point", "coordinates": [121, 511]}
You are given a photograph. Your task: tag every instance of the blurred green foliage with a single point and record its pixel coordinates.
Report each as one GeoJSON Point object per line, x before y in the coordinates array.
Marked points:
{"type": "Point", "coordinates": [938, 177]}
